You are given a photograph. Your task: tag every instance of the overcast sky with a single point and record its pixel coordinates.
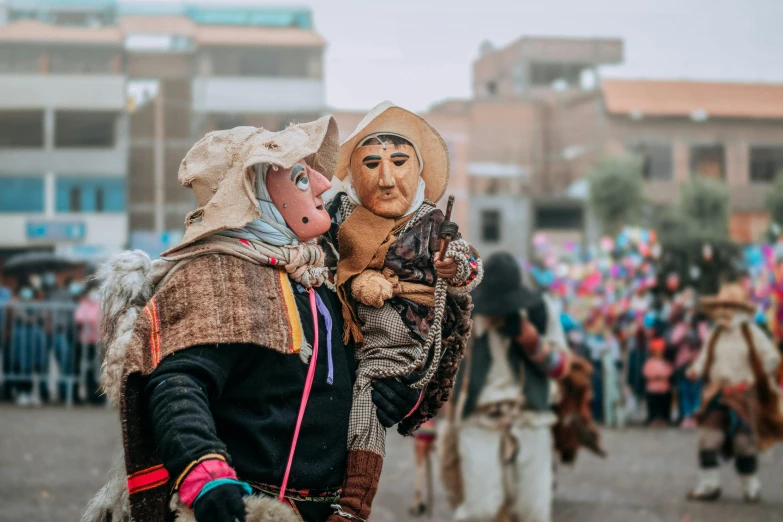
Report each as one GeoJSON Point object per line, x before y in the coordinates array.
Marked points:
{"type": "Point", "coordinates": [417, 52]}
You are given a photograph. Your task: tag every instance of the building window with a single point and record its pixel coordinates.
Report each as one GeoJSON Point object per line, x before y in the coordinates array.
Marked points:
{"type": "Point", "coordinates": [708, 161]}
{"type": "Point", "coordinates": [558, 218]}
{"type": "Point", "coordinates": [90, 195]}
{"type": "Point", "coordinates": [657, 160]}
{"type": "Point", "coordinates": [82, 60]}
{"type": "Point", "coordinates": [99, 206]}
{"type": "Point", "coordinates": [20, 59]}
{"type": "Point", "coordinates": [22, 129]}
{"type": "Point", "coordinates": [492, 89]}
{"type": "Point", "coordinates": [21, 194]}
{"type": "Point", "coordinates": [74, 129]}
{"type": "Point", "coordinates": [766, 163]}
{"type": "Point", "coordinates": [75, 199]}
{"type": "Point", "coordinates": [490, 226]}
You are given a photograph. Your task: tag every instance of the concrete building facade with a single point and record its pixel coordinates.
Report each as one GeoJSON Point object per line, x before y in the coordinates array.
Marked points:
{"type": "Point", "coordinates": [541, 115]}
{"type": "Point", "coordinates": [64, 137]}
{"type": "Point", "coordinates": [100, 101]}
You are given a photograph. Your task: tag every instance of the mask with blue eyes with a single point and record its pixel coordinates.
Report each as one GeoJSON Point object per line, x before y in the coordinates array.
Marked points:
{"type": "Point", "coordinates": [292, 209]}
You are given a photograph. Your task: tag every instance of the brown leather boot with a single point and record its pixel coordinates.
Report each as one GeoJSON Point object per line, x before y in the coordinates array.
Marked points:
{"type": "Point", "coordinates": [362, 474]}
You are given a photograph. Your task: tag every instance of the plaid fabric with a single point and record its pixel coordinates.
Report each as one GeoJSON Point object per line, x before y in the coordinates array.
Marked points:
{"type": "Point", "coordinates": [388, 346]}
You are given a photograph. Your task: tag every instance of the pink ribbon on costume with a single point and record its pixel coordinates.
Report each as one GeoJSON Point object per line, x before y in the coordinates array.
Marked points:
{"type": "Point", "coordinates": [305, 395]}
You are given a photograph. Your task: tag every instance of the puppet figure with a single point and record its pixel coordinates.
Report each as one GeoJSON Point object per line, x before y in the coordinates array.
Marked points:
{"type": "Point", "coordinates": [406, 309]}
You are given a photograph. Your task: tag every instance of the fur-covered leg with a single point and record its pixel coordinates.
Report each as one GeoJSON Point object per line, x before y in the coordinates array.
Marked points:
{"type": "Point", "coordinates": [112, 499]}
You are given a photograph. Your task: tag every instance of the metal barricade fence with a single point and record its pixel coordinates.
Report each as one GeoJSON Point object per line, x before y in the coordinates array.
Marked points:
{"type": "Point", "coordinates": [44, 354]}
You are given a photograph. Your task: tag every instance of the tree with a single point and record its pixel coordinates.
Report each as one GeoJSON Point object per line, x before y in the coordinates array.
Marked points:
{"type": "Point", "coordinates": [705, 202]}
{"type": "Point", "coordinates": [616, 191]}
{"type": "Point", "coordinates": [700, 218]}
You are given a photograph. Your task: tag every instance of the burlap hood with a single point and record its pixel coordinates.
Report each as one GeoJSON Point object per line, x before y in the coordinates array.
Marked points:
{"type": "Point", "coordinates": [217, 169]}
{"type": "Point", "coordinates": [387, 117]}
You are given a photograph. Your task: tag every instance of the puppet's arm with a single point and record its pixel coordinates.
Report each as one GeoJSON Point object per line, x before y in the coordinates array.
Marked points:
{"type": "Point", "coordinates": [469, 269]}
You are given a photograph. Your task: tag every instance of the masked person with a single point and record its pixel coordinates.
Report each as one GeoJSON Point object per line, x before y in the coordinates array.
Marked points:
{"type": "Point", "coordinates": [496, 452]}
{"type": "Point", "coordinates": [226, 356]}
{"type": "Point", "coordinates": [407, 310]}
{"type": "Point", "coordinates": [740, 412]}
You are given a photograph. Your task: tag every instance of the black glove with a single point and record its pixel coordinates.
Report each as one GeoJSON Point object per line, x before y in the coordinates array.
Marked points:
{"type": "Point", "coordinates": [394, 398]}
{"type": "Point", "coordinates": [225, 503]}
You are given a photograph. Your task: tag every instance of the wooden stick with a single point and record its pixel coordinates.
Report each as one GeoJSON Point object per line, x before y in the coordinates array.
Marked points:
{"type": "Point", "coordinates": [444, 242]}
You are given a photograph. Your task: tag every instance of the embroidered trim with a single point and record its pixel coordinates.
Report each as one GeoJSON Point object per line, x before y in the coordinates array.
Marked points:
{"type": "Point", "coordinates": [294, 326]}
{"type": "Point", "coordinates": [300, 495]}
{"type": "Point", "coordinates": [189, 467]}
{"type": "Point", "coordinates": [147, 479]}
{"type": "Point", "coordinates": [152, 312]}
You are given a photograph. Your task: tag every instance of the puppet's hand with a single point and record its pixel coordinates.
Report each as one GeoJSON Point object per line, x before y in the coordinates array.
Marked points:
{"type": "Point", "coordinates": [372, 289]}
{"type": "Point", "coordinates": [394, 399]}
{"type": "Point", "coordinates": [446, 269]}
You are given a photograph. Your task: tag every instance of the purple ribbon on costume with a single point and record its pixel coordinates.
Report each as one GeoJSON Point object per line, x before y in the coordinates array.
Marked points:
{"type": "Point", "coordinates": [328, 321]}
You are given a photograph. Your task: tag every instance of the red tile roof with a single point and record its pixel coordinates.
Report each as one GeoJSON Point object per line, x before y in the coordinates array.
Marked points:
{"type": "Point", "coordinates": [33, 31]}
{"type": "Point", "coordinates": [683, 98]}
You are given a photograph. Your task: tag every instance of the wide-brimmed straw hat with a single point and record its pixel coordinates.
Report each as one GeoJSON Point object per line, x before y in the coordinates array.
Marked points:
{"type": "Point", "coordinates": [388, 118]}
{"type": "Point", "coordinates": [217, 168]}
{"type": "Point", "coordinates": [731, 295]}
{"type": "Point", "coordinates": [502, 292]}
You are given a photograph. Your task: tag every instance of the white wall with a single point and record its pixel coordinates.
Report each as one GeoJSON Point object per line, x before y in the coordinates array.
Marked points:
{"type": "Point", "coordinates": [259, 95]}
{"type": "Point", "coordinates": [91, 92]}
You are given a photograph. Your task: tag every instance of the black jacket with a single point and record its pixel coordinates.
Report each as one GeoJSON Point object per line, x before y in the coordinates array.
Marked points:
{"type": "Point", "coordinates": [242, 401]}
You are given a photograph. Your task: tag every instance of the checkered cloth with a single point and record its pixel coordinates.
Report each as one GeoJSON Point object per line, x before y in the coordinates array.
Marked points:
{"type": "Point", "coordinates": [388, 346]}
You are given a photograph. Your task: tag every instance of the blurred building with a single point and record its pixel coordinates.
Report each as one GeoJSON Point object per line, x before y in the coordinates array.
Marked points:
{"type": "Point", "coordinates": [196, 68]}
{"type": "Point", "coordinates": [100, 101]}
{"type": "Point", "coordinates": [541, 114]}
{"type": "Point", "coordinates": [520, 154]}
{"type": "Point", "coordinates": [63, 128]}
{"type": "Point", "coordinates": [732, 132]}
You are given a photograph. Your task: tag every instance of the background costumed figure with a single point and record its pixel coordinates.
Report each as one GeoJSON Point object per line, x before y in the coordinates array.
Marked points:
{"type": "Point", "coordinates": [741, 408]}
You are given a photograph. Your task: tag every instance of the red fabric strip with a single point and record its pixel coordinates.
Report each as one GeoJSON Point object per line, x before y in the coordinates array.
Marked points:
{"type": "Point", "coordinates": [142, 480]}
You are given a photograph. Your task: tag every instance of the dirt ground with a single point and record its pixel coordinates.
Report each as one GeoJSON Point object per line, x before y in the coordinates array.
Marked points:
{"type": "Point", "coordinates": [52, 460]}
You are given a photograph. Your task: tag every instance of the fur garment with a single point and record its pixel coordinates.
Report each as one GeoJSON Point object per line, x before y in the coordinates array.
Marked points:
{"type": "Point", "coordinates": [257, 509]}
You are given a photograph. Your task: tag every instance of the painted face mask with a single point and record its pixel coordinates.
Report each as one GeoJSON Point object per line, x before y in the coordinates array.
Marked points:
{"type": "Point", "coordinates": [386, 177]}
{"type": "Point", "coordinates": [296, 193]}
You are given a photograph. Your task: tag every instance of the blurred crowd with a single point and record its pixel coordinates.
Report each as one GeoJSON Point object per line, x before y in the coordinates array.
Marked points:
{"type": "Point", "coordinates": [640, 326]}
{"type": "Point", "coordinates": [49, 335]}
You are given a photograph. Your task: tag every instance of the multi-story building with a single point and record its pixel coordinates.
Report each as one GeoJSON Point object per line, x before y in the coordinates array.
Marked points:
{"type": "Point", "coordinates": [100, 101]}
{"type": "Point", "coordinates": [206, 68]}
{"type": "Point", "coordinates": [63, 128]}
{"type": "Point", "coordinates": [541, 115]}
{"type": "Point", "coordinates": [515, 155]}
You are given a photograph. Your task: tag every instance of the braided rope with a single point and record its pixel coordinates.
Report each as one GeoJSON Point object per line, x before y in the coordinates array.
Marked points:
{"type": "Point", "coordinates": [457, 249]}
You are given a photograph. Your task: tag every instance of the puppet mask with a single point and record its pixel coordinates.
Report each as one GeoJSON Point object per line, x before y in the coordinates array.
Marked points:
{"type": "Point", "coordinates": [385, 177]}
{"type": "Point", "coordinates": [296, 192]}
